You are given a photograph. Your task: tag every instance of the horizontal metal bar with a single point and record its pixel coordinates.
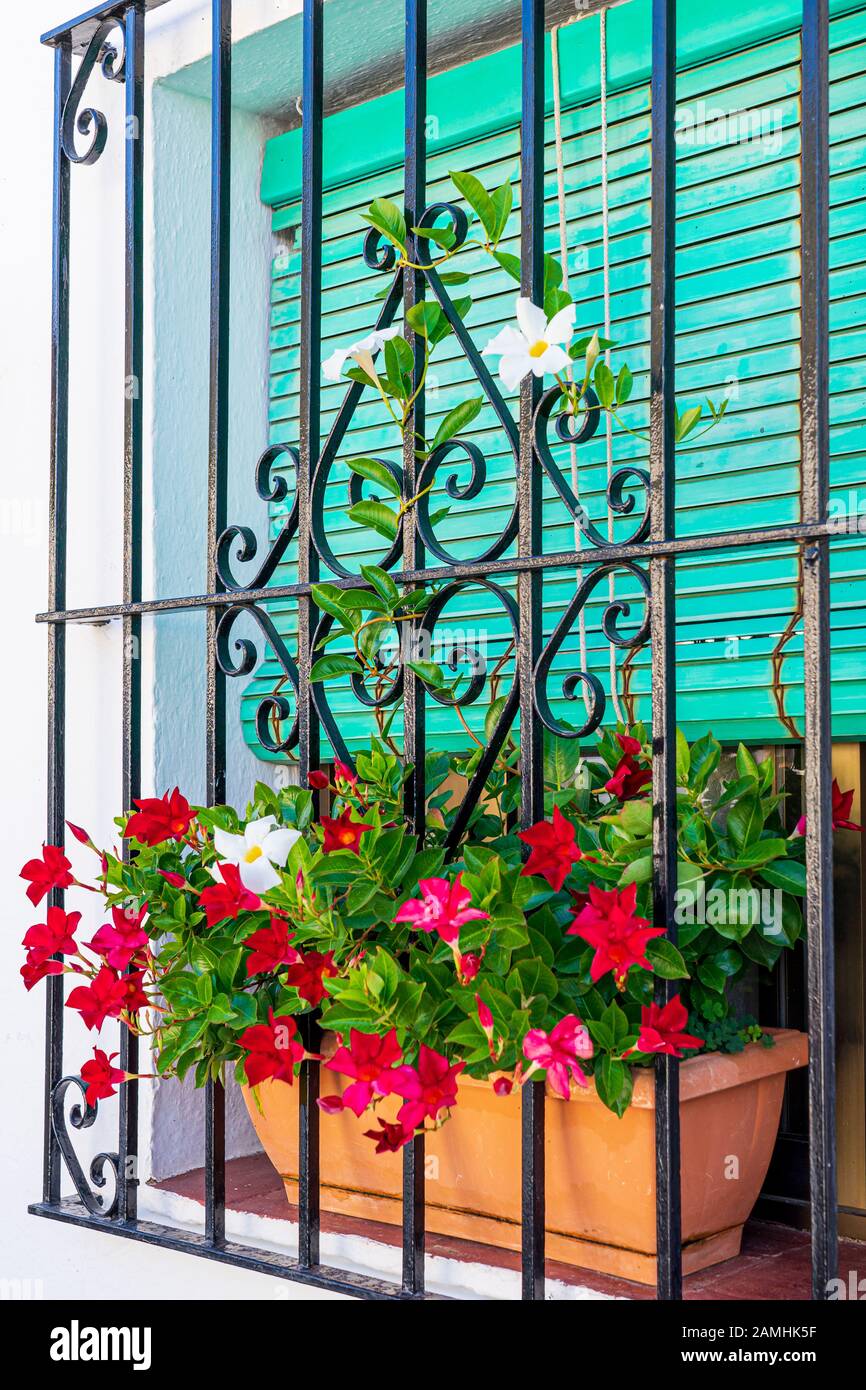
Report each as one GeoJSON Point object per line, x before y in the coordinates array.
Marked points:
{"type": "Point", "coordinates": [84, 26]}
{"type": "Point", "coordinates": [270, 1262]}
{"type": "Point", "coordinates": [563, 559]}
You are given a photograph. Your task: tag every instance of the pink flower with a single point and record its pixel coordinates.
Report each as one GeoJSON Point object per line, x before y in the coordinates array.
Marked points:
{"type": "Point", "coordinates": [557, 1052]}
{"type": "Point", "coordinates": [620, 938]}
{"type": "Point", "coordinates": [119, 943]}
{"type": "Point", "coordinates": [370, 1060]}
{"type": "Point", "coordinates": [469, 965]}
{"type": "Point", "coordinates": [443, 908]}
{"type": "Point", "coordinates": [344, 776]}
{"type": "Point", "coordinates": [101, 1076]}
{"type": "Point", "coordinates": [427, 1089]}
{"type": "Point", "coordinates": [554, 849]}
{"type": "Point", "coordinates": [661, 1029]}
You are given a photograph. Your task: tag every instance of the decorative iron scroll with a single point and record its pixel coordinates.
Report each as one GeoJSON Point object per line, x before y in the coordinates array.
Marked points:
{"type": "Point", "coordinates": [111, 57]}
{"type": "Point", "coordinates": [627, 493]}
{"type": "Point", "coordinates": [82, 1117]}
{"type": "Point", "coordinates": [614, 610]}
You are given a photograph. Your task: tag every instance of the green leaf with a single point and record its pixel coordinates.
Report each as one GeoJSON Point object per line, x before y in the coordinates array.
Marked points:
{"type": "Point", "coordinates": [604, 384]}
{"type": "Point", "coordinates": [788, 874]}
{"type": "Point", "coordinates": [686, 422]}
{"type": "Point", "coordinates": [614, 1083]}
{"type": "Point", "coordinates": [638, 871]}
{"type": "Point", "coordinates": [429, 672]}
{"type": "Point", "coordinates": [510, 264]}
{"type": "Point", "coordinates": [423, 318]}
{"type": "Point", "coordinates": [501, 199]}
{"type": "Point", "coordinates": [441, 236]}
{"type": "Point", "coordinates": [746, 820]}
{"type": "Point", "coordinates": [377, 516]}
{"type": "Point", "coordinates": [454, 277]}
{"type": "Point", "coordinates": [330, 599]}
{"type": "Point", "coordinates": [457, 420]}
{"type": "Point", "coordinates": [387, 218]}
{"type": "Point", "coordinates": [746, 765]}
{"type": "Point", "coordinates": [478, 199]}
{"type": "Point", "coordinates": [760, 853]}
{"type": "Point", "coordinates": [624, 383]}
{"type": "Point", "coordinates": [329, 667]}
{"type": "Point", "coordinates": [382, 582]}
{"type": "Point", "coordinates": [666, 960]}
{"type": "Point", "coordinates": [683, 759]}
{"type": "Point", "coordinates": [705, 757]}
{"type": "Point", "coordinates": [375, 472]}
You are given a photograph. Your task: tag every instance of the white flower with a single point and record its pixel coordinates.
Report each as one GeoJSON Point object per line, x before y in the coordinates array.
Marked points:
{"type": "Point", "coordinates": [539, 347]}
{"type": "Point", "coordinates": [256, 852]}
{"type": "Point", "coordinates": [360, 352]}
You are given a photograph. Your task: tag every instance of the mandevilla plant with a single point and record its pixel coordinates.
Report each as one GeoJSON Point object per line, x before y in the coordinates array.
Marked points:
{"type": "Point", "coordinates": [228, 934]}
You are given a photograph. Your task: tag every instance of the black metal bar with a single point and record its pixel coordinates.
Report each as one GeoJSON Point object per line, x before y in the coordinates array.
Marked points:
{"type": "Point", "coordinates": [414, 711]}
{"type": "Point", "coordinates": [132, 491]}
{"type": "Point", "coordinates": [309, 439]}
{"type": "Point", "coordinates": [215, 740]}
{"type": "Point", "coordinates": [814, 502]}
{"type": "Point", "coordinates": [79, 31]}
{"type": "Point", "coordinates": [562, 559]}
{"type": "Point", "coordinates": [663, 620]}
{"type": "Point", "coordinates": [334, 1280]}
{"type": "Point", "coordinates": [529, 600]}
{"type": "Point", "coordinates": [57, 497]}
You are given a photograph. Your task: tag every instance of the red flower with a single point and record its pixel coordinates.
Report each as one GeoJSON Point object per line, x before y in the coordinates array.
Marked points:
{"type": "Point", "coordinates": [609, 924]}
{"type": "Point", "coordinates": [101, 1076]}
{"type": "Point", "coordinates": [628, 779]}
{"type": "Point", "coordinates": [51, 871]}
{"type": "Point", "coordinates": [104, 998]}
{"type": "Point", "coordinates": [390, 1138]}
{"type": "Point", "coordinates": [317, 780]}
{"type": "Point", "coordinates": [35, 970]}
{"type": "Point", "coordinates": [134, 997]}
{"type": "Point", "coordinates": [661, 1029]}
{"type": "Point", "coordinates": [503, 1085]}
{"type": "Point", "coordinates": [307, 975]}
{"type": "Point", "coordinates": [558, 1051]}
{"type": "Point", "coordinates": [554, 849]}
{"type": "Point", "coordinates": [344, 776]}
{"type": "Point", "coordinates": [469, 966]}
{"type": "Point", "coordinates": [269, 947]}
{"type": "Point", "coordinates": [227, 899]}
{"type": "Point", "coordinates": [159, 818]}
{"type": "Point", "coordinates": [427, 1089]}
{"type": "Point", "coordinates": [176, 880]}
{"type": "Point", "coordinates": [369, 1059]}
{"type": "Point", "coordinates": [272, 1050]}
{"type": "Point", "coordinates": [485, 1017]}
{"type": "Point", "coordinates": [122, 941]}
{"type": "Point", "coordinates": [343, 833]}
{"type": "Point", "coordinates": [52, 937]}
{"type": "Point", "coordinates": [80, 835]}
{"type": "Point", "coordinates": [443, 908]}
{"type": "Point", "coordinates": [842, 802]}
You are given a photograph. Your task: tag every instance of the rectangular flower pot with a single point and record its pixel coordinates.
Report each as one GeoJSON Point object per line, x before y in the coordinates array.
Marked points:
{"type": "Point", "coordinates": [600, 1169]}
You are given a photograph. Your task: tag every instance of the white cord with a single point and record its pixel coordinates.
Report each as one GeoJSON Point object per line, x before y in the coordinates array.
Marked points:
{"type": "Point", "coordinates": [605, 241]}
{"type": "Point", "coordinates": [563, 250]}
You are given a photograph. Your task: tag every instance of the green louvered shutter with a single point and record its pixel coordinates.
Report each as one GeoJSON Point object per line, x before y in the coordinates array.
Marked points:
{"type": "Point", "coordinates": [737, 333]}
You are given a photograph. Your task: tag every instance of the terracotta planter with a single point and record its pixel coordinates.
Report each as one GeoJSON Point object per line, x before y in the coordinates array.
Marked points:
{"type": "Point", "coordinates": [600, 1170]}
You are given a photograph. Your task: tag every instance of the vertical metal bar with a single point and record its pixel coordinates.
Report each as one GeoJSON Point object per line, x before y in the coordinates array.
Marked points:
{"type": "Point", "coordinates": [529, 542]}
{"type": "Point", "coordinates": [308, 566]}
{"type": "Point", "coordinates": [414, 732]}
{"type": "Point", "coordinates": [57, 584]}
{"type": "Point", "coordinates": [663, 619]}
{"type": "Point", "coordinates": [215, 743]}
{"type": "Point", "coordinates": [132, 489]}
{"type": "Point", "coordinates": [815, 484]}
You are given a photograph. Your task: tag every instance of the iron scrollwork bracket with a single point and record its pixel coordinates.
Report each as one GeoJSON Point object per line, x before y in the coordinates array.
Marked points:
{"type": "Point", "coordinates": [81, 1116]}
{"type": "Point", "coordinates": [105, 50]}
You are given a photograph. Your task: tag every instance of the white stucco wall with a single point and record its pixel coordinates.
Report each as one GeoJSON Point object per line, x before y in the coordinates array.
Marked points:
{"type": "Point", "coordinates": [59, 1261]}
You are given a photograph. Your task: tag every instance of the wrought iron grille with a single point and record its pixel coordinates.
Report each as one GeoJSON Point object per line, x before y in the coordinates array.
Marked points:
{"type": "Point", "coordinates": [649, 554]}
